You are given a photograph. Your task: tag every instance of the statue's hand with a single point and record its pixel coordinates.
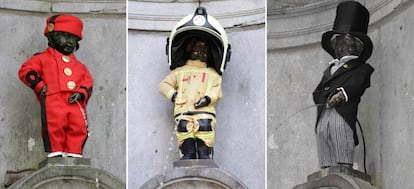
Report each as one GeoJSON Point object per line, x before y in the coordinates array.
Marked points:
{"type": "Point", "coordinates": [174, 96]}
{"type": "Point", "coordinates": [205, 101]}
{"type": "Point", "coordinates": [335, 99]}
{"type": "Point", "coordinates": [76, 97]}
{"type": "Point", "coordinates": [43, 90]}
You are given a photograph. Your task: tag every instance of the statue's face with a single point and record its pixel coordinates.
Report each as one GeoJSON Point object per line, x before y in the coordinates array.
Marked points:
{"type": "Point", "coordinates": [199, 51]}
{"type": "Point", "coordinates": [345, 45]}
{"type": "Point", "coordinates": [64, 42]}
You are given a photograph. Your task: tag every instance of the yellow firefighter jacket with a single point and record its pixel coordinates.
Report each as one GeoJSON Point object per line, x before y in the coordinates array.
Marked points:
{"type": "Point", "coordinates": [192, 82]}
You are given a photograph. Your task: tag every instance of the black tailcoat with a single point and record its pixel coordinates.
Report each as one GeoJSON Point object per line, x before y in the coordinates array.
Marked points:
{"type": "Point", "coordinates": [354, 76]}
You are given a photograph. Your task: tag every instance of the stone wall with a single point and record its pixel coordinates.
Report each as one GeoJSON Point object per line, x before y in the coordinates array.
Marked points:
{"type": "Point", "coordinates": [103, 50]}
{"type": "Point", "coordinates": [297, 61]}
{"type": "Point", "coordinates": [240, 131]}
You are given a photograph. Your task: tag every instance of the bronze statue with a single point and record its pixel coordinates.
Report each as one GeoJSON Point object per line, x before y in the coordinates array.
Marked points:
{"type": "Point", "coordinates": [197, 55]}
{"type": "Point", "coordinates": [343, 83]}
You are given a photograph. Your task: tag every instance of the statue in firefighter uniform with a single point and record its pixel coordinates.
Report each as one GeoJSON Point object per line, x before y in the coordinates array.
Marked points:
{"type": "Point", "coordinates": [63, 86]}
{"type": "Point", "coordinates": [343, 83]}
{"type": "Point", "coordinates": [197, 53]}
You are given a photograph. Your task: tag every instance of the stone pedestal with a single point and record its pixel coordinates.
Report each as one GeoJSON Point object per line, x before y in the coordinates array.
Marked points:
{"type": "Point", "coordinates": [338, 177]}
{"type": "Point", "coordinates": [188, 174]}
{"type": "Point", "coordinates": [195, 163]}
{"type": "Point", "coordinates": [13, 176]}
{"type": "Point", "coordinates": [68, 173]}
{"type": "Point", "coordinates": [56, 162]}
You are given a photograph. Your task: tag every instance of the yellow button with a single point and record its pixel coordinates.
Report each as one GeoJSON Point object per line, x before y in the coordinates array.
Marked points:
{"type": "Point", "coordinates": [50, 27]}
{"type": "Point", "coordinates": [68, 71]}
{"type": "Point", "coordinates": [71, 85]}
{"type": "Point", "coordinates": [345, 66]}
{"type": "Point", "coordinates": [65, 58]}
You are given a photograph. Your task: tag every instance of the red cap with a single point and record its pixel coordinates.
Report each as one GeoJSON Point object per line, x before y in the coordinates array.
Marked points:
{"type": "Point", "coordinates": [64, 23]}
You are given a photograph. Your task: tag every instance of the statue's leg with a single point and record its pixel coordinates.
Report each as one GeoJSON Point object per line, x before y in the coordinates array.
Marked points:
{"type": "Point", "coordinates": [203, 150]}
{"type": "Point", "coordinates": [205, 135]}
{"type": "Point", "coordinates": [185, 137]}
{"type": "Point", "coordinates": [76, 131]}
{"type": "Point", "coordinates": [54, 119]}
{"type": "Point", "coordinates": [188, 149]}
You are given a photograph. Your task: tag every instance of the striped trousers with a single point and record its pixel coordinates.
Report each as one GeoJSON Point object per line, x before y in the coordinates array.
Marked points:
{"type": "Point", "coordinates": [334, 139]}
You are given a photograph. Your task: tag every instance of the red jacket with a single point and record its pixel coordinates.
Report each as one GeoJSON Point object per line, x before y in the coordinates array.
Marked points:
{"type": "Point", "coordinates": [58, 72]}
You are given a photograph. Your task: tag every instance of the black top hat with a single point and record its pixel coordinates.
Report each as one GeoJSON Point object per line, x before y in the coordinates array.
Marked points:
{"type": "Point", "coordinates": [351, 18]}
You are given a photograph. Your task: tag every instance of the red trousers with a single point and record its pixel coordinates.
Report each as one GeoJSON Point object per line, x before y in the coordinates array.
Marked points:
{"type": "Point", "coordinates": [66, 124]}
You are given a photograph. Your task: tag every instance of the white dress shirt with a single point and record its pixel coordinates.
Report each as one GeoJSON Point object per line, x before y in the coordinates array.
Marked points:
{"type": "Point", "coordinates": [336, 65]}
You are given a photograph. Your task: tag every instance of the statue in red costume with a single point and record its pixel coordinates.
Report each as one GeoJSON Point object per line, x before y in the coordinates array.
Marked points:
{"type": "Point", "coordinates": [63, 86]}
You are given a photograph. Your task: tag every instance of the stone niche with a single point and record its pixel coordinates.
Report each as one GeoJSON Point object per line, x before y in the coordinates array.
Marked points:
{"type": "Point", "coordinates": [293, 23]}
{"type": "Point", "coordinates": [67, 6]}
{"type": "Point", "coordinates": [146, 14]}
{"type": "Point", "coordinates": [68, 173]}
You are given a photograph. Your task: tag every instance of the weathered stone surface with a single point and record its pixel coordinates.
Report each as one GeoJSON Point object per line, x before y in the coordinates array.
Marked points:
{"type": "Point", "coordinates": [58, 161]}
{"type": "Point", "coordinates": [194, 174]}
{"type": "Point", "coordinates": [295, 64]}
{"type": "Point", "coordinates": [103, 50]}
{"type": "Point", "coordinates": [68, 173]}
{"type": "Point", "coordinates": [208, 163]}
{"type": "Point", "coordinates": [340, 169]}
{"type": "Point", "coordinates": [13, 176]}
{"type": "Point", "coordinates": [240, 132]}
{"type": "Point", "coordinates": [162, 16]}
{"type": "Point", "coordinates": [337, 181]}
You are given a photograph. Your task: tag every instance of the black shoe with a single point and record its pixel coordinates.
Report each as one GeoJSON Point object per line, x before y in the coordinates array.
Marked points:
{"type": "Point", "coordinates": [203, 150]}
{"type": "Point", "coordinates": [188, 156]}
{"type": "Point", "coordinates": [58, 156]}
{"type": "Point", "coordinates": [188, 149]}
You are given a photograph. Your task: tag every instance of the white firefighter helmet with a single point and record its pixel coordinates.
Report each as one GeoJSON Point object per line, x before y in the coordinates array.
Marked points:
{"type": "Point", "coordinates": [198, 25]}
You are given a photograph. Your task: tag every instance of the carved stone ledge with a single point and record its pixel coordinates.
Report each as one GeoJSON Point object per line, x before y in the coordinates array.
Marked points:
{"type": "Point", "coordinates": [60, 6]}
{"type": "Point", "coordinates": [188, 174]}
{"type": "Point", "coordinates": [58, 161]}
{"type": "Point", "coordinates": [337, 177]}
{"type": "Point", "coordinates": [68, 173]}
{"type": "Point", "coordinates": [195, 163]}
{"type": "Point", "coordinates": [153, 16]}
{"type": "Point", "coordinates": [303, 25]}
{"type": "Point", "coordinates": [340, 169]}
